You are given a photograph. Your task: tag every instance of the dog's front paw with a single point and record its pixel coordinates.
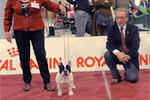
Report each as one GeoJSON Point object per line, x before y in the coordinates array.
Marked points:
{"type": "Point", "coordinates": [59, 93]}
{"type": "Point", "coordinates": [70, 93]}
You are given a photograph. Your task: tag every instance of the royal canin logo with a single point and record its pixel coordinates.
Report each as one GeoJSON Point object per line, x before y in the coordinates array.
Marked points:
{"type": "Point", "coordinates": [13, 52]}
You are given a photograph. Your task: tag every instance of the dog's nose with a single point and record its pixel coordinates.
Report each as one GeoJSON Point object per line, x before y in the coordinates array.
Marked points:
{"type": "Point", "coordinates": [65, 72]}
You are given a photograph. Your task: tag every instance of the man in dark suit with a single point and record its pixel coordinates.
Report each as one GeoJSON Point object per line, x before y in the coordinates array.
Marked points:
{"type": "Point", "coordinates": [123, 44]}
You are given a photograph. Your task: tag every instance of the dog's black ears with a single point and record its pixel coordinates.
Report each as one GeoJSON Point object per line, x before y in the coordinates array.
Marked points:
{"type": "Point", "coordinates": [61, 67]}
{"type": "Point", "coordinates": [68, 67]}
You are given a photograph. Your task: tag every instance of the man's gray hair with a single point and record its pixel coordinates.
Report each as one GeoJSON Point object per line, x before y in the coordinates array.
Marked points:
{"type": "Point", "coordinates": [122, 10]}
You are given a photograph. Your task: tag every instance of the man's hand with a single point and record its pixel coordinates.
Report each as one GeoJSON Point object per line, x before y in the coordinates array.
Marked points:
{"type": "Point", "coordinates": [8, 36]}
{"type": "Point", "coordinates": [124, 58]}
{"type": "Point", "coordinates": [62, 9]}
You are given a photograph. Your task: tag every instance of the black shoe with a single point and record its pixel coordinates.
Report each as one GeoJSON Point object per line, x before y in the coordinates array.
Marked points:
{"type": "Point", "coordinates": [27, 87]}
{"type": "Point", "coordinates": [49, 87]}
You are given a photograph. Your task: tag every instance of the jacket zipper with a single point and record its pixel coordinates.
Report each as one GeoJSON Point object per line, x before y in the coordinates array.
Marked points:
{"type": "Point", "coordinates": [27, 21]}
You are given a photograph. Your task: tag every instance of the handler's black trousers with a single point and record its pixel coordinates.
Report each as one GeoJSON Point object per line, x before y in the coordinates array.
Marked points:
{"type": "Point", "coordinates": [23, 42]}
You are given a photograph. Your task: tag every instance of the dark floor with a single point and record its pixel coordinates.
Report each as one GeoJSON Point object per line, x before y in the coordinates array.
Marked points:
{"type": "Point", "coordinates": [89, 86]}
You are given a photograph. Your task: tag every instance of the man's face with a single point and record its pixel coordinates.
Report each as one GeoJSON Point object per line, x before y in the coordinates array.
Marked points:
{"type": "Point", "coordinates": [121, 18]}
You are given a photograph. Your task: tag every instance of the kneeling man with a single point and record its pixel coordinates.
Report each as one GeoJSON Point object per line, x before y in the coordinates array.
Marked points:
{"type": "Point", "coordinates": [123, 43]}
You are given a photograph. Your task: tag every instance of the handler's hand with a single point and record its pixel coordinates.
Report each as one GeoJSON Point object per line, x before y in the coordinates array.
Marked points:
{"type": "Point", "coordinates": [124, 58]}
{"type": "Point", "coordinates": [8, 36]}
{"type": "Point", "coordinates": [62, 9]}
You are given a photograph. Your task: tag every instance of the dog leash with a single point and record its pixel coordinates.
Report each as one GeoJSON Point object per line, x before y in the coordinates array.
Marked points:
{"type": "Point", "coordinates": [66, 45]}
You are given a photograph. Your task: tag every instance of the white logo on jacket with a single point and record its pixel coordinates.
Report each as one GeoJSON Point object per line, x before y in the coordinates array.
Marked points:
{"type": "Point", "coordinates": [65, 76]}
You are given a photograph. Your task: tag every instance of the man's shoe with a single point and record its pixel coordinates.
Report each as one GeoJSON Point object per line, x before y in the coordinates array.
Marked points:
{"type": "Point", "coordinates": [115, 81]}
{"type": "Point", "coordinates": [49, 87]}
{"type": "Point", "coordinates": [27, 87]}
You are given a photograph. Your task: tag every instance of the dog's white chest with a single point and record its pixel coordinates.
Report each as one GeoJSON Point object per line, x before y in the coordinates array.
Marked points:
{"type": "Point", "coordinates": [65, 80]}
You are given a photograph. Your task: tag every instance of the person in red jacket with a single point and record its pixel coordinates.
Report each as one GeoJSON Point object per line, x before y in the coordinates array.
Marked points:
{"type": "Point", "coordinates": [28, 26]}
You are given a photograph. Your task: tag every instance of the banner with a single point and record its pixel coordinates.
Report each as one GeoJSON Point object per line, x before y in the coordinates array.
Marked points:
{"type": "Point", "coordinates": [85, 53]}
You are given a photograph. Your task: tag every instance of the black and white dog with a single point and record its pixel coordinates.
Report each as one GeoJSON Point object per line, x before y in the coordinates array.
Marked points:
{"type": "Point", "coordinates": [65, 76]}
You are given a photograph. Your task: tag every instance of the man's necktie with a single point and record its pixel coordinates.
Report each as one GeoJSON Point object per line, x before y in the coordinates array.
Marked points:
{"type": "Point", "coordinates": [124, 49]}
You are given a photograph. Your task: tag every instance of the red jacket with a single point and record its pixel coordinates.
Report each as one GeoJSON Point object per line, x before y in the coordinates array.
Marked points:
{"type": "Point", "coordinates": [31, 22]}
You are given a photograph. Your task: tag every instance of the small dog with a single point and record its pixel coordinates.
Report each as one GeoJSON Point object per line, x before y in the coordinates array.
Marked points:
{"type": "Point", "coordinates": [65, 76]}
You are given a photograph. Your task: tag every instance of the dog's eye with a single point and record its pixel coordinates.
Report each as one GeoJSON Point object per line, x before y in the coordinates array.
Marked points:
{"type": "Point", "coordinates": [60, 71]}
{"type": "Point", "coordinates": [68, 68]}
{"type": "Point", "coordinates": [61, 66]}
